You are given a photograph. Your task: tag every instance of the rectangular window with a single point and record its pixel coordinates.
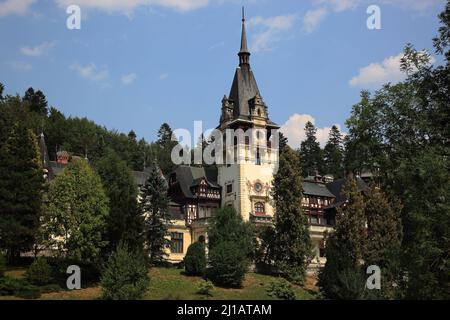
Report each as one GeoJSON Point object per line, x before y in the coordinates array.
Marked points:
{"type": "Point", "coordinates": [177, 242]}
{"type": "Point", "coordinates": [229, 188]}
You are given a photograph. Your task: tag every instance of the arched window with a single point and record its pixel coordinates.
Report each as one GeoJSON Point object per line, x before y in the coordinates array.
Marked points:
{"type": "Point", "coordinates": [259, 208]}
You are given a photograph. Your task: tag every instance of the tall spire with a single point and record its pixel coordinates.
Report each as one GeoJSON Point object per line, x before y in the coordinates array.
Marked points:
{"type": "Point", "coordinates": [244, 54]}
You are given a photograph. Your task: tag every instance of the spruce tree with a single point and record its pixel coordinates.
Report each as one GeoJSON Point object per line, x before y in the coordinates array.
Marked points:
{"type": "Point", "coordinates": [154, 206]}
{"type": "Point", "coordinates": [292, 247]}
{"type": "Point", "coordinates": [384, 239]}
{"type": "Point", "coordinates": [76, 213]}
{"type": "Point", "coordinates": [230, 242]}
{"type": "Point", "coordinates": [342, 277]}
{"type": "Point", "coordinates": [311, 155]}
{"type": "Point", "coordinates": [165, 145]}
{"type": "Point", "coordinates": [125, 276]}
{"type": "Point", "coordinates": [36, 101]}
{"type": "Point", "coordinates": [21, 185]}
{"type": "Point", "coordinates": [125, 222]}
{"type": "Point", "coordinates": [333, 154]}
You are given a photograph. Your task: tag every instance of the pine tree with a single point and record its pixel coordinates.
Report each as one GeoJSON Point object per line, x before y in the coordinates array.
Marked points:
{"type": "Point", "coordinates": [311, 155]}
{"type": "Point", "coordinates": [21, 186]}
{"type": "Point", "coordinates": [155, 205]}
{"type": "Point", "coordinates": [282, 142]}
{"type": "Point", "coordinates": [292, 247]}
{"type": "Point", "coordinates": [384, 239]}
{"type": "Point", "coordinates": [125, 222]}
{"type": "Point", "coordinates": [166, 145]}
{"type": "Point", "coordinates": [76, 213]}
{"type": "Point", "coordinates": [363, 150]}
{"type": "Point", "coordinates": [2, 88]}
{"type": "Point", "coordinates": [125, 276]}
{"type": "Point", "coordinates": [342, 276]}
{"type": "Point", "coordinates": [333, 154]}
{"type": "Point", "coordinates": [230, 248]}
{"type": "Point", "coordinates": [36, 101]}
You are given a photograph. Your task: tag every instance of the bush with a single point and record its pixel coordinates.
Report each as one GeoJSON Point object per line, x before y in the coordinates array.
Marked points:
{"type": "Point", "coordinates": [195, 260]}
{"type": "Point", "coordinates": [18, 287]}
{"type": "Point", "coordinates": [39, 273]}
{"type": "Point", "coordinates": [125, 276]}
{"type": "Point", "coordinates": [281, 289]}
{"type": "Point", "coordinates": [2, 265]}
{"type": "Point", "coordinates": [205, 288]}
{"type": "Point", "coordinates": [28, 291]}
{"type": "Point", "coordinates": [90, 271]}
{"type": "Point", "coordinates": [228, 264]}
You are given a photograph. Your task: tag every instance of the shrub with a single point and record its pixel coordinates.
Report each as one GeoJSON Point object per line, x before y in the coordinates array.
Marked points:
{"type": "Point", "coordinates": [2, 265]}
{"type": "Point", "coordinates": [125, 276]}
{"type": "Point", "coordinates": [228, 264]}
{"type": "Point", "coordinates": [28, 291]}
{"type": "Point", "coordinates": [39, 273]}
{"type": "Point", "coordinates": [18, 287]}
{"type": "Point", "coordinates": [90, 271]}
{"type": "Point", "coordinates": [195, 259]}
{"type": "Point", "coordinates": [230, 242]}
{"type": "Point", "coordinates": [281, 289]}
{"type": "Point", "coordinates": [205, 288]}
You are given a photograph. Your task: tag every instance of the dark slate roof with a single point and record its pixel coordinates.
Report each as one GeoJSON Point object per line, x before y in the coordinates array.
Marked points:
{"type": "Point", "coordinates": [243, 89]}
{"type": "Point", "coordinates": [316, 189]}
{"type": "Point", "coordinates": [337, 186]}
{"type": "Point", "coordinates": [189, 176]}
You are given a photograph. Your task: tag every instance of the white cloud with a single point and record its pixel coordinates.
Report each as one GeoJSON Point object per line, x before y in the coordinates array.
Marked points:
{"type": "Point", "coordinates": [21, 66]}
{"type": "Point", "coordinates": [294, 130]}
{"type": "Point", "coordinates": [272, 27]}
{"type": "Point", "coordinates": [376, 74]}
{"type": "Point", "coordinates": [339, 5]}
{"type": "Point", "coordinates": [9, 7]}
{"type": "Point", "coordinates": [313, 18]}
{"type": "Point", "coordinates": [128, 78]}
{"type": "Point", "coordinates": [37, 50]}
{"type": "Point", "coordinates": [128, 6]}
{"type": "Point", "coordinates": [91, 72]}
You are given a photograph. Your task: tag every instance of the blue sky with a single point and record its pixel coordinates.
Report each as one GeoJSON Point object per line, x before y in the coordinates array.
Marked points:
{"type": "Point", "coordinates": [136, 64]}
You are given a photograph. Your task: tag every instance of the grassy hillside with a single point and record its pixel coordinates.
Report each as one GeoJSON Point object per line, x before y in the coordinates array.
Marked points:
{"type": "Point", "coordinates": [172, 284]}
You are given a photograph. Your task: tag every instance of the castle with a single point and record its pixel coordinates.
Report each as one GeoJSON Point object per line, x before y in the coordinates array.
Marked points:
{"type": "Point", "coordinates": [197, 192]}
{"type": "Point", "coordinates": [245, 184]}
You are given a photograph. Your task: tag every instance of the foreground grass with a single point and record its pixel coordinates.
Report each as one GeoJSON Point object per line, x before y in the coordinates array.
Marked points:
{"type": "Point", "coordinates": [172, 284]}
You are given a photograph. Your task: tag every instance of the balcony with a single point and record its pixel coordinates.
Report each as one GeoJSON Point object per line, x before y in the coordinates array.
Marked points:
{"type": "Point", "coordinates": [259, 218]}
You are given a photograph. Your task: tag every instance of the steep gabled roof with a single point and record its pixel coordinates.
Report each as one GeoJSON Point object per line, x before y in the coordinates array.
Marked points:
{"type": "Point", "coordinates": [191, 176]}
{"type": "Point", "coordinates": [243, 89]}
{"type": "Point", "coordinates": [316, 189]}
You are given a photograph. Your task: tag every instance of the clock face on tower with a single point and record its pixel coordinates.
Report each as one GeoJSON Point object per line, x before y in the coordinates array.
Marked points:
{"type": "Point", "coordinates": [258, 187]}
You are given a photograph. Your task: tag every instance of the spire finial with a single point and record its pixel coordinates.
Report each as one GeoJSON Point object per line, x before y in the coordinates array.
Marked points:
{"type": "Point", "coordinates": [244, 54]}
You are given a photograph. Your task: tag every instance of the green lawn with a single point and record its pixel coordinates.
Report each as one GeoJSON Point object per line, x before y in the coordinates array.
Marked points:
{"type": "Point", "coordinates": [172, 284]}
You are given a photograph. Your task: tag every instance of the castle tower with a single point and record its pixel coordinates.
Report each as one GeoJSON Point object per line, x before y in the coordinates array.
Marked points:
{"type": "Point", "coordinates": [250, 160]}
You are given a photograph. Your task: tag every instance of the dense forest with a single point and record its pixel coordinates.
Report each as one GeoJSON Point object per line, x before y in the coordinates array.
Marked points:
{"type": "Point", "coordinates": [82, 137]}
